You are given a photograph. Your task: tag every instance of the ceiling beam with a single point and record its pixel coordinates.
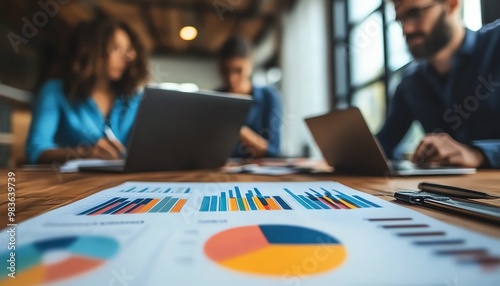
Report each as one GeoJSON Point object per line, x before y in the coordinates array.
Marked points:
{"type": "Point", "coordinates": [252, 12]}
{"type": "Point", "coordinates": [189, 52]}
{"type": "Point", "coordinates": [145, 14]}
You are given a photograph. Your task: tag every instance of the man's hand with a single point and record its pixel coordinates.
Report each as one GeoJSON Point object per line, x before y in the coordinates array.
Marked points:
{"type": "Point", "coordinates": [441, 149]}
{"type": "Point", "coordinates": [107, 149]}
{"type": "Point", "coordinates": [254, 142]}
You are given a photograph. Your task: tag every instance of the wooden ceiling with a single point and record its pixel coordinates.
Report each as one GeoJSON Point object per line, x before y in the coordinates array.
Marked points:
{"type": "Point", "coordinates": [158, 22]}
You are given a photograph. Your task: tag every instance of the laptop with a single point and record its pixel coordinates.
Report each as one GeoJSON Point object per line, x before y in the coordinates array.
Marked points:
{"type": "Point", "coordinates": [348, 145]}
{"type": "Point", "coordinates": [177, 130]}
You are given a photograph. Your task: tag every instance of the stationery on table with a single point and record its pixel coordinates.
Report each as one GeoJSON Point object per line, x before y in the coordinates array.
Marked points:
{"type": "Point", "coordinates": [454, 191]}
{"type": "Point", "coordinates": [266, 170]}
{"type": "Point", "coordinates": [277, 167]}
{"type": "Point", "coordinates": [108, 132]}
{"type": "Point", "coordinates": [231, 233]}
{"type": "Point", "coordinates": [453, 199]}
{"type": "Point", "coordinates": [74, 165]}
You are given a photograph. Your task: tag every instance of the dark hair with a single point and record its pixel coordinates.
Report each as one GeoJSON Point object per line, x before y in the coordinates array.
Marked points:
{"type": "Point", "coordinates": [235, 47]}
{"type": "Point", "coordinates": [87, 54]}
{"type": "Point", "coordinates": [397, 2]}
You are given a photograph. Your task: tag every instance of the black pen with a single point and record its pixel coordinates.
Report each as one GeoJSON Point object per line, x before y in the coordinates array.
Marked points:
{"type": "Point", "coordinates": [454, 191]}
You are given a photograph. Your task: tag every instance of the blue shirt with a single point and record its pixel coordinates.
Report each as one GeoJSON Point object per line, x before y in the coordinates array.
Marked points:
{"type": "Point", "coordinates": [59, 123]}
{"type": "Point", "coordinates": [264, 118]}
{"type": "Point", "coordinates": [466, 104]}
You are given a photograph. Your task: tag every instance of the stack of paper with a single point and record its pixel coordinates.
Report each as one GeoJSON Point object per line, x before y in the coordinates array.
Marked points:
{"type": "Point", "coordinates": [308, 233]}
{"type": "Point", "coordinates": [74, 165]}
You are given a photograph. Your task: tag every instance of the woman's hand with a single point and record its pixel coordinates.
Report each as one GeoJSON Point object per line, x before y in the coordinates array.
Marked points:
{"type": "Point", "coordinates": [107, 149]}
{"type": "Point", "coordinates": [103, 149]}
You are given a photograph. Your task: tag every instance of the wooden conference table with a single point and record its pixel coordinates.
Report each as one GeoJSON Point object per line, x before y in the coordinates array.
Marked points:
{"type": "Point", "coordinates": [38, 191]}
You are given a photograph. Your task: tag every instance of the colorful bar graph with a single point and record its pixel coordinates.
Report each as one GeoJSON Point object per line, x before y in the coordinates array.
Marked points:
{"type": "Point", "coordinates": [139, 205]}
{"type": "Point", "coordinates": [330, 200]}
{"type": "Point", "coordinates": [233, 204]}
{"type": "Point", "coordinates": [298, 199]}
{"type": "Point", "coordinates": [236, 200]}
{"type": "Point", "coordinates": [213, 204]}
{"type": "Point", "coordinates": [180, 190]}
{"type": "Point", "coordinates": [117, 206]}
{"type": "Point", "coordinates": [168, 206]}
{"type": "Point", "coordinates": [205, 204]}
{"type": "Point", "coordinates": [251, 203]}
{"type": "Point", "coordinates": [178, 206]}
{"type": "Point", "coordinates": [239, 200]}
{"type": "Point", "coordinates": [148, 206]}
{"type": "Point", "coordinates": [223, 203]}
{"type": "Point", "coordinates": [160, 205]}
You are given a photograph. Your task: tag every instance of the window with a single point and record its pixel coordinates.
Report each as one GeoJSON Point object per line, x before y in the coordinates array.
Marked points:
{"type": "Point", "coordinates": [362, 68]}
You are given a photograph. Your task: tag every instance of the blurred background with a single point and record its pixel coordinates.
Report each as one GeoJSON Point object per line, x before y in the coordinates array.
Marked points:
{"type": "Point", "coordinates": [321, 54]}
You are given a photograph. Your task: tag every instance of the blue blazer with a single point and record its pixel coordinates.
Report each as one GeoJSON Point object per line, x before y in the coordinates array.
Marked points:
{"type": "Point", "coordinates": [59, 123]}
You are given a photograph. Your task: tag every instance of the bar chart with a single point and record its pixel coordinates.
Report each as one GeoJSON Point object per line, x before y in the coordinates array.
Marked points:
{"type": "Point", "coordinates": [159, 190]}
{"type": "Point", "coordinates": [119, 205]}
{"type": "Point", "coordinates": [234, 200]}
{"type": "Point", "coordinates": [328, 200]}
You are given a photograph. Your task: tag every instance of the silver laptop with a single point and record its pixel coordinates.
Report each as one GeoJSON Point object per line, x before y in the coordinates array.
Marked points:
{"type": "Point", "coordinates": [348, 145]}
{"type": "Point", "coordinates": [177, 130]}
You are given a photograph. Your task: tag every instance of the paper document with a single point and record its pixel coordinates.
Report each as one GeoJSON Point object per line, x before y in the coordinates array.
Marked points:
{"type": "Point", "coordinates": [74, 165]}
{"type": "Point", "coordinates": [230, 233]}
{"type": "Point", "coordinates": [265, 170]}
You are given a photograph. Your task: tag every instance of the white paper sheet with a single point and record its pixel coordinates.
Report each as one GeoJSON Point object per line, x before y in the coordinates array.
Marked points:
{"type": "Point", "coordinates": [215, 234]}
{"type": "Point", "coordinates": [73, 166]}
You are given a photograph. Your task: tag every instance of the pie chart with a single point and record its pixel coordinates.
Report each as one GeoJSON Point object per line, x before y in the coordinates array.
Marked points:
{"type": "Point", "coordinates": [275, 250]}
{"type": "Point", "coordinates": [57, 259]}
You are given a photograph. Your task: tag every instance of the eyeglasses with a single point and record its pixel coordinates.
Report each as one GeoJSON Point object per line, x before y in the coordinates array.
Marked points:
{"type": "Point", "coordinates": [129, 54]}
{"type": "Point", "coordinates": [414, 15]}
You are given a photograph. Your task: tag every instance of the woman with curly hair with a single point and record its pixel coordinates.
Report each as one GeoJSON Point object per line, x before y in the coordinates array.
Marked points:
{"type": "Point", "coordinates": [97, 94]}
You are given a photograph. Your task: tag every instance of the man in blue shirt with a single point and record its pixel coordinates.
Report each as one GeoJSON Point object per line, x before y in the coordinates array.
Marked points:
{"type": "Point", "coordinates": [452, 87]}
{"type": "Point", "coordinates": [260, 136]}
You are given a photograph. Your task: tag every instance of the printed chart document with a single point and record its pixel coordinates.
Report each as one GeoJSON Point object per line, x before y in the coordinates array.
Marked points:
{"type": "Point", "coordinates": [286, 233]}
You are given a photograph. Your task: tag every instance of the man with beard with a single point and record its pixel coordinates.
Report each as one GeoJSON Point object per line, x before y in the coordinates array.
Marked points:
{"type": "Point", "coordinates": [452, 87]}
